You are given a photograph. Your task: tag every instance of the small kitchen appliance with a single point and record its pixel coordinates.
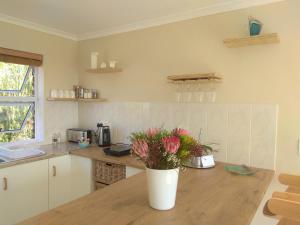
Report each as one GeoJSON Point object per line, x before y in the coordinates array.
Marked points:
{"type": "Point", "coordinates": [103, 135]}
{"type": "Point", "coordinates": [77, 134]}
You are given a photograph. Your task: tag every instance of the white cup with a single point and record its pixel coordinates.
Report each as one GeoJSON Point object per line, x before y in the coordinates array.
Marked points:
{"type": "Point", "coordinates": [53, 93]}
{"type": "Point", "coordinates": [103, 65]}
{"type": "Point", "coordinates": [66, 94]}
{"type": "Point", "coordinates": [72, 94]}
{"type": "Point", "coordinates": [112, 64]}
{"type": "Point", "coordinates": [60, 93]}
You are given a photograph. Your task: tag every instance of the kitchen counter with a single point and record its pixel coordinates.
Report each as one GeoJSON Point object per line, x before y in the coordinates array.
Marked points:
{"type": "Point", "coordinates": [209, 197]}
{"type": "Point", "coordinates": [50, 150]}
{"type": "Point", "coordinates": [93, 152]}
{"type": "Point", "coordinates": [97, 153]}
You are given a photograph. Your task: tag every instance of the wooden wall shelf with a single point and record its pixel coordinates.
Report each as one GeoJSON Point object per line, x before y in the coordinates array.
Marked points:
{"type": "Point", "coordinates": [77, 100]}
{"type": "Point", "coordinates": [106, 70]}
{"type": "Point", "coordinates": [272, 38]}
{"type": "Point", "coordinates": [204, 77]}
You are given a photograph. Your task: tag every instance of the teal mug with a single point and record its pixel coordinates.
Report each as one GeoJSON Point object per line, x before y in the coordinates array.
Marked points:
{"type": "Point", "coordinates": [255, 27]}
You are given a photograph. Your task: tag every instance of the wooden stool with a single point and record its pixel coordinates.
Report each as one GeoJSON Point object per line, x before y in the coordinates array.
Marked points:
{"type": "Point", "coordinates": [286, 205]}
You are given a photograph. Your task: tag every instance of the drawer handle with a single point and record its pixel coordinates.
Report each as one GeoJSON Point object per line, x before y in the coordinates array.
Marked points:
{"type": "Point", "coordinates": [108, 164]}
{"type": "Point", "coordinates": [5, 186]}
{"type": "Point", "coordinates": [54, 171]}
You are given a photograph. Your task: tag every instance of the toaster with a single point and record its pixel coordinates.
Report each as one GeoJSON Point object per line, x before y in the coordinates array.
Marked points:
{"type": "Point", "coordinates": [76, 134]}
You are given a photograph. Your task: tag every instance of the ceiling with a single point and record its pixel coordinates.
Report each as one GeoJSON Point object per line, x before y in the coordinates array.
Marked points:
{"type": "Point", "coordinates": [84, 19]}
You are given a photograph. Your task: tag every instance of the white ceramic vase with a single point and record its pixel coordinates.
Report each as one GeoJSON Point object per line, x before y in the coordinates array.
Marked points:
{"type": "Point", "coordinates": [162, 188]}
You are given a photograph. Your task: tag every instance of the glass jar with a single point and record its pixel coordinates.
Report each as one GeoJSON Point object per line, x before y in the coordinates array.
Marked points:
{"type": "Point", "coordinates": [94, 94]}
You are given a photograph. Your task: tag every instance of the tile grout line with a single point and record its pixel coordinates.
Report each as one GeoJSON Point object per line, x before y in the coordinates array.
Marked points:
{"type": "Point", "coordinates": [227, 133]}
{"type": "Point", "coordinates": [276, 138]}
{"type": "Point", "coordinates": [250, 137]}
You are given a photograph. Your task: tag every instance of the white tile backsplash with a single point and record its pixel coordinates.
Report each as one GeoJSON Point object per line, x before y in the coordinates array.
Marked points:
{"type": "Point", "coordinates": [244, 133]}
{"type": "Point", "coordinates": [263, 152]}
{"type": "Point", "coordinates": [238, 150]}
{"type": "Point", "coordinates": [179, 115]}
{"type": "Point", "coordinates": [197, 121]}
{"type": "Point", "coordinates": [217, 121]}
{"type": "Point", "coordinates": [58, 117]}
{"type": "Point", "coordinates": [239, 120]}
{"type": "Point", "coordinates": [264, 120]}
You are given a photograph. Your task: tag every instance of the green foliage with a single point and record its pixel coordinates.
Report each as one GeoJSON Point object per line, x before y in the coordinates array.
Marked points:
{"type": "Point", "coordinates": [207, 149]}
{"type": "Point", "coordinates": [11, 117]}
{"type": "Point", "coordinates": [158, 146]}
{"type": "Point", "coordinates": [186, 144]}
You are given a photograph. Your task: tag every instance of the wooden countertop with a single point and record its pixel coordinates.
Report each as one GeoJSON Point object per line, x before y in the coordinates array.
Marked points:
{"type": "Point", "coordinates": [204, 197]}
{"type": "Point", "coordinates": [66, 148]}
{"type": "Point", "coordinates": [50, 152]}
{"type": "Point", "coordinates": [98, 154]}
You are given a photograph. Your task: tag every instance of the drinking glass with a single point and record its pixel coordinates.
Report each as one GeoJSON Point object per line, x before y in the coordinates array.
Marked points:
{"type": "Point", "coordinates": [179, 94]}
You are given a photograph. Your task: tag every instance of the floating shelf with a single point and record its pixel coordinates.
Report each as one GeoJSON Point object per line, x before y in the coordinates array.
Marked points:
{"type": "Point", "coordinates": [272, 38]}
{"type": "Point", "coordinates": [77, 99]}
{"type": "Point", "coordinates": [106, 70]}
{"type": "Point", "coordinates": [204, 77]}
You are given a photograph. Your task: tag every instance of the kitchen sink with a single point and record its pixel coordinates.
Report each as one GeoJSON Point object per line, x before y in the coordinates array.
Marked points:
{"type": "Point", "coordinates": [3, 160]}
{"type": "Point", "coordinates": [8, 155]}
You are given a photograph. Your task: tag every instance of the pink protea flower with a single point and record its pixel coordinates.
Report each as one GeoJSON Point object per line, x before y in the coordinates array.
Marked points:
{"type": "Point", "coordinates": [171, 144]}
{"type": "Point", "coordinates": [180, 131]}
{"type": "Point", "coordinates": [151, 132]}
{"type": "Point", "coordinates": [140, 148]}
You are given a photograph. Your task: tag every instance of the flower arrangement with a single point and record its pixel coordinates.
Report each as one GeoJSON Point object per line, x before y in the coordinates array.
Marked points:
{"type": "Point", "coordinates": [162, 149]}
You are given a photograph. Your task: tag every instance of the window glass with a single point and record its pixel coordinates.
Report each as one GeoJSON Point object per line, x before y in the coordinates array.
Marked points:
{"type": "Point", "coordinates": [17, 102]}
{"type": "Point", "coordinates": [16, 80]}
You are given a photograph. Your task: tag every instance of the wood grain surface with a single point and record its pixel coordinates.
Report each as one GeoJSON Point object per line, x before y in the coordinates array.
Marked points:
{"type": "Point", "coordinates": [285, 221]}
{"type": "Point", "coordinates": [204, 197]}
{"type": "Point", "coordinates": [272, 38]}
{"type": "Point", "coordinates": [97, 153]}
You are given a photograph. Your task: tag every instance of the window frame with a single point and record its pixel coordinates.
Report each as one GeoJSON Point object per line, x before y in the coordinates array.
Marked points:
{"type": "Point", "coordinates": [34, 101]}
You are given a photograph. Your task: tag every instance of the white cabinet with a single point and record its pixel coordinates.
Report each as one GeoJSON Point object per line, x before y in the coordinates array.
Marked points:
{"type": "Point", "coordinates": [131, 171]}
{"type": "Point", "coordinates": [69, 178]}
{"type": "Point", "coordinates": [32, 188]}
{"type": "Point", "coordinates": [81, 176]}
{"type": "Point", "coordinates": [59, 180]}
{"type": "Point", "coordinates": [23, 191]}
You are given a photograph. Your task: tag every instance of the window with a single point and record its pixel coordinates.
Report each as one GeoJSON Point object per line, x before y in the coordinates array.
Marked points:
{"type": "Point", "coordinates": [18, 100]}
{"type": "Point", "coordinates": [18, 96]}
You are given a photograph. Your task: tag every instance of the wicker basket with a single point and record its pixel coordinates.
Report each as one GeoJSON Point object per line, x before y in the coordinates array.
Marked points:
{"type": "Point", "coordinates": [100, 185]}
{"type": "Point", "coordinates": [109, 173]}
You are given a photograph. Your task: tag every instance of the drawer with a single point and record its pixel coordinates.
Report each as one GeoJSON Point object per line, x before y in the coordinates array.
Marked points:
{"type": "Point", "coordinates": [108, 173]}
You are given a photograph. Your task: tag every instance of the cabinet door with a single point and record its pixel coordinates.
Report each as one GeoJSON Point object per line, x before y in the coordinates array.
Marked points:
{"type": "Point", "coordinates": [23, 191]}
{"type": "Point", "coordinates": [59, 180]}
{"type": "Point", "coordinates": [131, 171]}
{"type": "Point", "coordinates": [81, 176]}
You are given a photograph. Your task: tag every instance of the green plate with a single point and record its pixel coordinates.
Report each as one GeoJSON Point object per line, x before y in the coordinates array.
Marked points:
{"type": "Point", "coordinates": [240, 170]}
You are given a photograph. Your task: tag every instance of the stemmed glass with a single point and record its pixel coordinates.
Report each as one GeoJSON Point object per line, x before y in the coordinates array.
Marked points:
{"type": "Point", "coordinates": [199, 94]}
{"type": "Point", "coordinates": [179, 88]}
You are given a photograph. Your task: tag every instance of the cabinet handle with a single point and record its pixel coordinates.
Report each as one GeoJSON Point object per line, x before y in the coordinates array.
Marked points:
{"type": "Point", "coordinates": [5, 186]}
{"type": "Point", "coordinates": [54, 171]}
